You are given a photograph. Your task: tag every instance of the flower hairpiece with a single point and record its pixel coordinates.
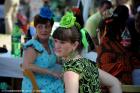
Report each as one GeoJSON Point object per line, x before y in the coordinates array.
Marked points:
{"type": "Point", "coordinates": [68, 20]}
{"type": "Point", "coordinates": [45, 12]}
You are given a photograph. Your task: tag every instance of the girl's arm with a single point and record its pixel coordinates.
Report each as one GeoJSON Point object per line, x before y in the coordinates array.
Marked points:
{"type": "Point", "coordinates": [71, 81]}
{"type": "Point", "coordinates": [110, 81]}
{"type": "Point", "coordinates": [28, 63]}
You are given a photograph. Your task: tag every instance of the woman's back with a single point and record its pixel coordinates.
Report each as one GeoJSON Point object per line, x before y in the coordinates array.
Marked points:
{"type": "Point", "coordinates": [88, 71]}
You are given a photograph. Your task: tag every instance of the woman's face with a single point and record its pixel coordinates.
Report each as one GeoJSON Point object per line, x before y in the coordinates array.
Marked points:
{"type": "Point", "coordinates": [64, 48]}
{"type": "Point", "coordinates": [44, 30]}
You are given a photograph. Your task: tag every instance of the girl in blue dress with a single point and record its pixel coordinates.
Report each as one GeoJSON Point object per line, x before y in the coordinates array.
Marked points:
{"type": "Point", "coordinates": [40, 58]}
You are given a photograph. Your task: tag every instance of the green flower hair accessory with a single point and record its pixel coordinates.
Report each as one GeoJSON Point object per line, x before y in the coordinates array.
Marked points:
{"type": "Point", "coordinates": [68, 20]}
{"type": "Point", "coordinates": [84, 39]}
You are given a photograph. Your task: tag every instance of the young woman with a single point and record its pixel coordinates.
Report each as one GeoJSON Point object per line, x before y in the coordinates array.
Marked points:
{"type": "Point", "coordinates": [113, 54]}
{"type": "Point", "coordinates": [40, 58]}
{"type": "Point", "coordinates": [80, 74]}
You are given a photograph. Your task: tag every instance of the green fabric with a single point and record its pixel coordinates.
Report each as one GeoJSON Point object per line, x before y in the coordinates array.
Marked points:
{"type": "Point", "coordinates": [68, 20]}
{"type": "Point", "coordinates": [93, 23]}
{"type": "Point", "coordinates": [84, 39]}
{"type": "Point", "coordinates": [88, 71]}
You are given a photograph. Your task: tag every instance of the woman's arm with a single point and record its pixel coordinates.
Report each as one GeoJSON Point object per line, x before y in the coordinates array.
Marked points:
{"type": "Point", "coordinates": [28, 63]}
{"type": "Point", "coordinates": [71, 81]}
{"type": "Point", "coordinates": [110, 81]}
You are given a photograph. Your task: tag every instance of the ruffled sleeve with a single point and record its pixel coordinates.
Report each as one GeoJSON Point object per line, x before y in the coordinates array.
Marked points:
{"type": "Point", "coordinates": [51, 42]}
{"type": "Point", "coordinates": [35, 44]}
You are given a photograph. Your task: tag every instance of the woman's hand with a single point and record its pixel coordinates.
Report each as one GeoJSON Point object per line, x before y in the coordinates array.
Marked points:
{"type": "Point", "coordinates": [55, 74]}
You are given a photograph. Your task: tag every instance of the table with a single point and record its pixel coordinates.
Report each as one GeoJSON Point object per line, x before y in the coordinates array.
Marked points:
{"type": "Point", "coordinates": [10, 66]}
{"type": "Point", "coordinates": [10, 70]}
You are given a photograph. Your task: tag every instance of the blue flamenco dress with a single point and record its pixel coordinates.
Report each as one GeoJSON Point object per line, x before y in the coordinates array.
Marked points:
{"type": "Point", "coordinates": [46, 83]}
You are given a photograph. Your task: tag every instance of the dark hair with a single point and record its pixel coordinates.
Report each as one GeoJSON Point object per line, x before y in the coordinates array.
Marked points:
{"type": "Point", "coordinates": [106, 2]}
{"type": "Point", "coordinates": [40, 20]}
{"type": "Point", "coordinates": [79, 17]}
{"type": "Point", "coordinates": [69, 34]}
{"type": "Point", "coordinates": [121, 13]}
{"type": "Point", "coordinates": [116, 23]}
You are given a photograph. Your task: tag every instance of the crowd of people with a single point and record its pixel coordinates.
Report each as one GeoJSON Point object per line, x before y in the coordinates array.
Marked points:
{"type": "Point", "coordinates": [78, 71]}
{"type": "Point", "coordinates": [57, 59]}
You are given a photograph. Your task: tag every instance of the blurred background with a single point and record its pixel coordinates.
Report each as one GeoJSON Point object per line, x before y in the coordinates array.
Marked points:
{"type": "Point", "coordinates": [23, 12]}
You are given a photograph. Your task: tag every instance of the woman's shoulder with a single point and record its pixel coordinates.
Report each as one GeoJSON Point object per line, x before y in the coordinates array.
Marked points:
{"type": "Point", "coordinates": [78, 64]}
{"type": "Point", "coordinates": [88, 62]}
{"type": "Point", "coordinates": [79, 61]}
{"type": "Point", "coordinates": [35, 44]}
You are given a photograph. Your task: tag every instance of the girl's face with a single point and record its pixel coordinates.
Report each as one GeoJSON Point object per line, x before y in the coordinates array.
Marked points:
{"type": "Point", "coordinates": [44, 30]}
{"type": "Point", "coordinates": [64, 48]}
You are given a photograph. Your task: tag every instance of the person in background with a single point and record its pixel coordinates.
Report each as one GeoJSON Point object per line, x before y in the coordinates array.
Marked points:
{"type": "Point", "coordinates": [11, 9]}
{"type": "Point", "coordinates": [30, 32]}
{"type": "Point", "coordinates": [113, 57]}
{"type": "Point", "coordinates": [46, 2]}
{"type": "Point", "coordinates": [80, 74]}
{"type": "Point", "coordinates": [40, 58]}
{"type": "Point", "coordinates": [137, 18]}
{"type": "Point", "coordinates": [2, 23]}
{"type": "Point", "coordinates": [136, 58]}
{"type": "Point", "coordinates": [127, 3]}
{"type": "Point", "coordinates": [85, 6]}
{"type": "Point", "coordinates": [93, 21]}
